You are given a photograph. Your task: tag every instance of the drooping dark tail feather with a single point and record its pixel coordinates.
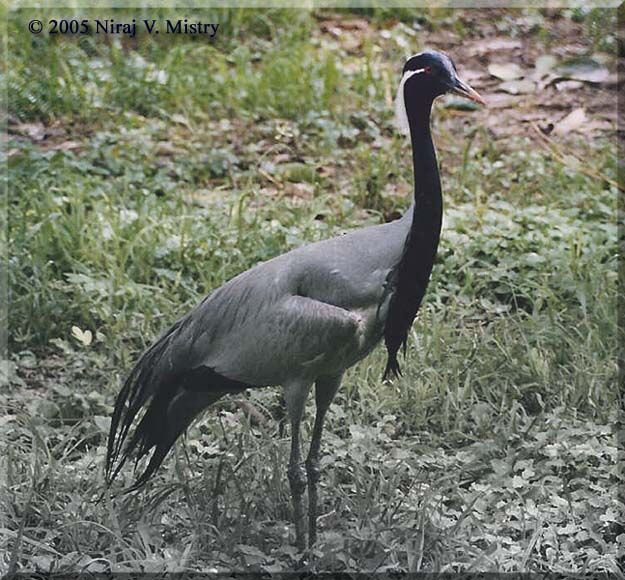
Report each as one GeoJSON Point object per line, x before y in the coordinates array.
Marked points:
{"type": "Point", "coordinates": [168, 415]}
{"type": "Point", "coordinates": [171, 411]}
{"type": "Point", "coordinates": [169, 405]}
{"type": "Point", "coordinates": [137, 389]}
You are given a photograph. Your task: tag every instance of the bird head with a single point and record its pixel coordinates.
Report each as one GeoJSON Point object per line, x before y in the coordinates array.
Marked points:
{"type": "Point", "coordinates": [428, 75]}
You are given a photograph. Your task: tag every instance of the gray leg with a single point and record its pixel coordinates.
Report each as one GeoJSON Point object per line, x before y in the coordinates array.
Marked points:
{"type": "Point", "coordinates": [325, 389]}
{"type": "Point", "coordinates": [295, 396]}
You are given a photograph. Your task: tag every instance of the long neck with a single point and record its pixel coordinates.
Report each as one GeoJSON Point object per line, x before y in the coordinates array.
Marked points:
{"type": "Point", "coordinates": [408, 280]}
{"type": "Point", "coordinates": [428, 201]}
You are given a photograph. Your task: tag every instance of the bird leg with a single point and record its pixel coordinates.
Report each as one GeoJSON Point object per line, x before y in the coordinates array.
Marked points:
{"type": "Point", "coordinates": [297, 481]}
{"type": "Point", "coordinates": [325, 390]}
{"type": "Point", "coordinates": [313, 472]}
{"type": "Point", "coordinates": [295, 396]}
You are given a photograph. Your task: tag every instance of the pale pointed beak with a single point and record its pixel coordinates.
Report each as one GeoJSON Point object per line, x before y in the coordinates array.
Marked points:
{"type": "Point", "coordinates": [464, 90]}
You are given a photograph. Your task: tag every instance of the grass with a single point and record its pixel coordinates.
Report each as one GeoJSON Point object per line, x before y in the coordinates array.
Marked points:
{"type": "Point", "coordinates": [170, 165]}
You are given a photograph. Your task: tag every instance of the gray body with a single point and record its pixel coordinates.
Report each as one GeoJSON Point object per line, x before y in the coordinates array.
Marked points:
{"type": "Point", "coordinates": [311, 312]}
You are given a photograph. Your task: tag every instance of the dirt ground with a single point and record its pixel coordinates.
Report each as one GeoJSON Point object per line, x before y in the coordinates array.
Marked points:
{"type": "Point", "coordinates": [530, 89]}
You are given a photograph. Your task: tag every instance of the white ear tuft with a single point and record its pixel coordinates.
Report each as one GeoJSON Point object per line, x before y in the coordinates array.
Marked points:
{"type": "Point", "coordinates": [401, 117]}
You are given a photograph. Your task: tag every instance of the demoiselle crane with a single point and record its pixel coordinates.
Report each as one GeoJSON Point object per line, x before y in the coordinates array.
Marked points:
{"type": "Point", "coordinates": [299, 319]}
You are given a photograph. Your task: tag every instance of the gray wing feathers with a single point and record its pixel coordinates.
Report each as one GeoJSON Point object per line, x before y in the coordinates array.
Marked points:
{"type": "Point", "coordinates": [295, 336]}
{"type": "Point", "coordinates": [304, 307]}
{"type": "Point", "coordinates": [249, 328]}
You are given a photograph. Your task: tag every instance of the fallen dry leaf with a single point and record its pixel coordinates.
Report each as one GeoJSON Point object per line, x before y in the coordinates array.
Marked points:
{"type": "Point", "coordinates": [518, 87]}
{"type": "Point", "coordinates": [302, 190]}
{"type": "Point", "coordinates": [36, 131]}
{"type": "Point", "coordinates": [583, 69]}
{"type": "Point", "coordinates": [167, 149]}
{"type": "Point", "coordinates": [572, 122]}
{"type": "Point", "coordinates": [569, 85]}
{"type": "Point", "coordinates": [469, 75]}
{"type": "Point", "coordinates": [353, 24]}
{"type": "Point", "coordinates": [544, 65]}
{"type": "Point", "coordinates": [65, 146]}
{"type": "Point", "coordinates": [533, 117]}
{"type": "Point", "coordinates": [495, 44]}
{"type": "Point", "coordinates": [332, 30]}
{"type": "Point", "coordinates": [500, 101]}
{"type": "Point", "coordinates": [506, 71]}
{"type": "Point", "coordinates": [281, 158]}
{"type": "Point", "coordinates": [180, 119]}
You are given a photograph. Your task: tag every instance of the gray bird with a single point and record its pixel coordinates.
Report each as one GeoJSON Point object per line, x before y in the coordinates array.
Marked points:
{"type": "Point", "coordinates": [301, 318]}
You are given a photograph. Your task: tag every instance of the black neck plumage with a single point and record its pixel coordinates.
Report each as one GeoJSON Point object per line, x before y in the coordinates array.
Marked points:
{"type": "Point", "coordinates": [408, 279]}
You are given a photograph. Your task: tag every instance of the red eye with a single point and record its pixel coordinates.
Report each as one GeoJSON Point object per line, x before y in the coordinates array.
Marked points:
{"type": "Point", "coordinates": [428, 70]}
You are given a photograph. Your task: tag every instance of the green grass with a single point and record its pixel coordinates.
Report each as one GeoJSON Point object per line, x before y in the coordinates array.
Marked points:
{"type": "Point", "coordinates": [495, 451]}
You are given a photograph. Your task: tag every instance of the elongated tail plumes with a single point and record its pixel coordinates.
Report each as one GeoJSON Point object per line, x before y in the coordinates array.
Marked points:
{"type": "Point", "coordinates": [168, 404]}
